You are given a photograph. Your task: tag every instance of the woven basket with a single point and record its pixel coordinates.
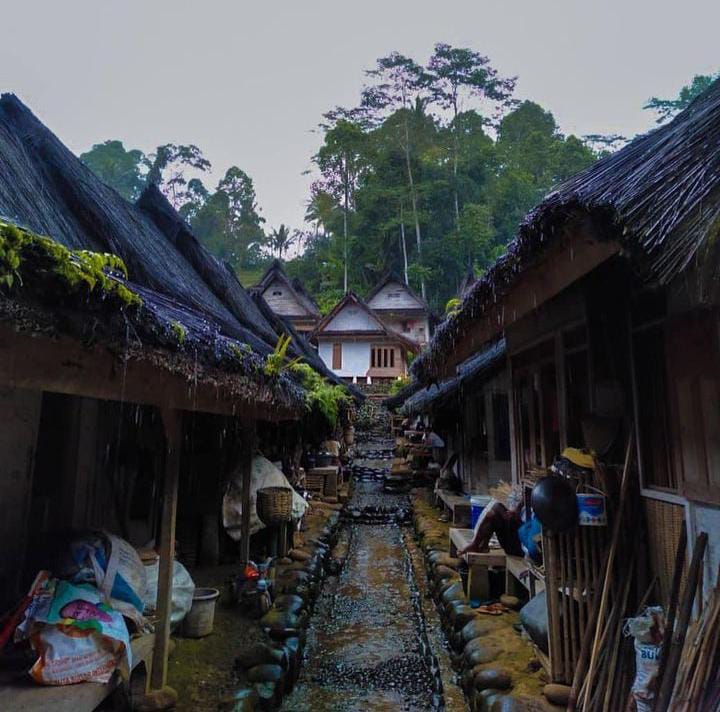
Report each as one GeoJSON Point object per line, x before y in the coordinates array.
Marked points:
{"type": "Point", "coordinates": [274, 505]}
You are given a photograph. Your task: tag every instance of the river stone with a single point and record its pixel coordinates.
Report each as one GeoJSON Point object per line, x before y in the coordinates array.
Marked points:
{"type": "Point", "coordinates": [490, 678]}
{"type": "Point", "coordinates": [284, 561]}
{"type": "Point", "coordinates": [444, 559]}
{"type": "Point", "coordinates": [479, 627]}
{"type": "Point", "coordinates": [444, 572]}
{"type": "Point", "coordinates": [453, 593]}
{"type": "Point", "coordinates": [258, 654]}
{"type": "Point", "coordinates": [484, 699]}
{"type": "Point", "coordinates": [289, 602]}
{"type": "Point", "coordinates": [512, 602]}
{"type": "Point", "coordinates": [508, 703]}
{"type": "Point", "coordinates": [462, 615]}
{"type": "Point", "coordinates": [244, 700]}
{"type": "Point", "coordinates": [533, 616]}
{"type": "Point", "coordinates": [299, 555]}
{"type": "Point", "coordinates": [276, 619]}
{"type": "Point", "coordinates": [445, 585]}
{"type": "Point", "coordinates": [477, 652]}
{"type": "Point", "coordinates": [557, 694]}
{"type": "Point", "coordinates": [264, 673]}
{"type": "Point", "coordinates": [266, 690]}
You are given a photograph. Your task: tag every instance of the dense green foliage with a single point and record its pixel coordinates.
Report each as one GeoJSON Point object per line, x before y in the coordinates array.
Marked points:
{"type": "Point", "coordinates": [667, 108]}
{"type": "Point", "coordinates": [320, 395]}
{"type": "Point", "coordinates": [227, 220]}
{"type": "Point", "coordinates": [429, 176]}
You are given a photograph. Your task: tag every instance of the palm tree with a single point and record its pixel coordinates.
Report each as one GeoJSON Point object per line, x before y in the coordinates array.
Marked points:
{"type": "Point", "coordinates": [280, 240]}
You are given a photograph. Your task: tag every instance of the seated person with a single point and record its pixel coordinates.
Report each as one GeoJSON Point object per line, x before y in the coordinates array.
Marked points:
{"type": "Point", "coordinates": [516, 536]}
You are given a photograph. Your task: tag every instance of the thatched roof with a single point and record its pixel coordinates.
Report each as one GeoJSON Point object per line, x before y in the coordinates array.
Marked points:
{"type": "Point", "coordinates": [45, 189]}
{"type": "Point", "coordinates": [397, 400]}
{"type": "Point", "coordinates": [276, 271]}
{"type": "Point", "coordinates": [469, 373]}
{"type": "Point", "coordinates": [659, 197]}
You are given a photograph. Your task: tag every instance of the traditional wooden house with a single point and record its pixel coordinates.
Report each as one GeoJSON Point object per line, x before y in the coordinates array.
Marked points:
{"type": "Point", "coordinates": [470, 412]}
{"type": "Point", "coordinates": [288, 298]}
{"type": "Point", "coordinates": [358, 346]}
{"type": "Point", "coordinates": [608, 299]}
{"type": "Point", "coordinates": [131, 372]}
{"type": "Point", "coordinates": [400, 309]}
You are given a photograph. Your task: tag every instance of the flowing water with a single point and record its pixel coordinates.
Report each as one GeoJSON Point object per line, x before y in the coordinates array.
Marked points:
{"type": "Point", "coordinates": [367, 645]}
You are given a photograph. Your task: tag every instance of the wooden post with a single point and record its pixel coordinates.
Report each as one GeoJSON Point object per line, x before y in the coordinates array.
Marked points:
{"type": "Point", "coordinates": [249, 440]}
{"type": "Point", "coordinates": [172, 420]}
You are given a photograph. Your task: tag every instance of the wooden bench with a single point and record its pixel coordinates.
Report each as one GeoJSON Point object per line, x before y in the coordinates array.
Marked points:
{"type": "Point", "coordinates": [458, 505]}
{"type": "Point", "coordinates": [21, 693]}
{"type": "Point", "coordinates": [525, 573]}
{"type": "Point", "coordinates": [479, 563]}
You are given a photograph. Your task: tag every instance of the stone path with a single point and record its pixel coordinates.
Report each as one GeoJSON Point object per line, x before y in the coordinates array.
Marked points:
{"type": "Point", "coordinates": [368, 647]}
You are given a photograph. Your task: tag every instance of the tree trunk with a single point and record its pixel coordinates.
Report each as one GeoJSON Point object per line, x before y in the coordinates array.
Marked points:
{"type": "Point", "coordinates": [345, 231]}
{"type": "Point", "coordinates": [404, 244]}
{"type": "Point", "coordinates": [413, 201]}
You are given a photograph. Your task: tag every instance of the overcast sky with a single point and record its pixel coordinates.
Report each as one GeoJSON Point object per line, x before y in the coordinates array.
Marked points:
{"type": "Point", "coordinates": [248, 81]}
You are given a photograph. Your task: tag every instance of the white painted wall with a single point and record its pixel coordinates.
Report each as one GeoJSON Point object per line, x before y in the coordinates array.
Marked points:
{"type": "Point", "coordinates": [352, 318]}
{"type": "Point", "coordinates": [706, 518]}
{"type": "Point", "coordinates": [282, 301]}
{"type": "Point", "coordinates": [355, 358]}
{"type": "Point", "coordinates": [394, 295]}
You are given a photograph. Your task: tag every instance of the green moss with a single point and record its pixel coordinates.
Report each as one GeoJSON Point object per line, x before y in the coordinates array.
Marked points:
{"type": "Point", "coordinates": [28, 258]}
{"type": "Point", "coordinates": [240, 351]}
{"type": "Point", "coordinates": [179, 331]}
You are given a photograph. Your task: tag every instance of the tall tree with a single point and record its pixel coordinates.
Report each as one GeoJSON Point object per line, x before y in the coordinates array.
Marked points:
{"type": "Point", "coordinates": [124, 170]}
{"type": "Point", "coordinates": [401, 87]}
{"type": "Point", "coordinates": [667, 108]}
{"type": "Point", "coordinates": [340, 160]}
{"type": "Point", "coordinates": [168, 166]}
{"type": "Point", "coordinates": [281, 239]}
{"type": "Point", "coordinates": [456, 74]}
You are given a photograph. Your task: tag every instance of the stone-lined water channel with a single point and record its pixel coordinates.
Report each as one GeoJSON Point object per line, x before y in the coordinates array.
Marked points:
{"type": "Point", "coordinates": [368, 644]}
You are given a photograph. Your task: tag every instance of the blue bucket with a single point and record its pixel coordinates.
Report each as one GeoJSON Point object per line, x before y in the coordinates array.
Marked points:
{"type": "Point", "coordinates": [478, 502]}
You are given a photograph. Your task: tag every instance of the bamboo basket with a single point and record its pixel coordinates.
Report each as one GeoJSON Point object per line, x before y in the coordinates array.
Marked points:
{"type": "Point", "coordinates": [274, 505]}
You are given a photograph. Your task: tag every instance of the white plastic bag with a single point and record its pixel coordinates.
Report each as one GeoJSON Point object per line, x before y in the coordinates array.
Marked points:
{"type": "Point", "coordinates": [113, 566]}
{"type": "Point", "coordinates": [648, 630]}
{"type": "Point", "coordinates": [183, 588]}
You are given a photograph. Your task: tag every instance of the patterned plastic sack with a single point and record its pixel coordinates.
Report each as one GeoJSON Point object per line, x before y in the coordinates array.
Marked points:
{"type": "Point", "coordinates": [77, 636]}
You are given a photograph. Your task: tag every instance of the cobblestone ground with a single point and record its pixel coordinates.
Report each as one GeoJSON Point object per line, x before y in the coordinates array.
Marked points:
{"type": "Point", "coordinates": [368, 646]}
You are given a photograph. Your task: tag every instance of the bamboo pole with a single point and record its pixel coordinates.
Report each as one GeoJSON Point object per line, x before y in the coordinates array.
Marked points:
{"type": "Point", "coordinates": [678, 636]}
{"type": "Point", "coordinates": [672, 604]}
{"type": "Point", "coordinates": [172, 421]}
{"type": "Point", "coordinates": [249, 440]}
{"type": "Point", "coordinates": [617, 528]}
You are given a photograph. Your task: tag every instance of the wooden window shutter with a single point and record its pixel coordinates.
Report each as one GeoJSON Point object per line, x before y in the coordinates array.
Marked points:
{"type": "Point", "coordinates": [337, 357]}
{"type": "Point", "coordinates": [693, 361]}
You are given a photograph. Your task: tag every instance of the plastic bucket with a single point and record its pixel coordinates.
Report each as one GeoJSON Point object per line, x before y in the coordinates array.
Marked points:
{"type": "Point", "coordinates": [199, 621]}
{"type": "Point", "coordinates": [478, 502]}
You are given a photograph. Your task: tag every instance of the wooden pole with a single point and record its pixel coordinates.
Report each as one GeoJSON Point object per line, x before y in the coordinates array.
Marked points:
{"type": "Point", "coordinates": [172, 420]}
{"type": "Point", "coordinates": [249, 440]}
{"type": "Point", "coordinates": [678, 636]}
{"type": "Point", "coordinates": [614, 544]}
{"type": "Point", "coordinates": [673, 602]}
